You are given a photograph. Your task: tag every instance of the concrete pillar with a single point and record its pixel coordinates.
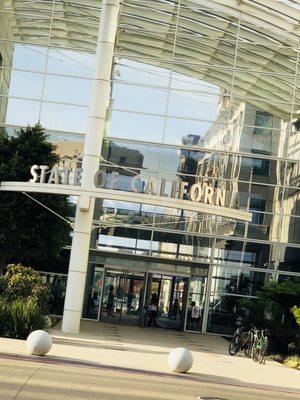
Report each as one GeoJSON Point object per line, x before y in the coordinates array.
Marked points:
{"type": "Point", "coordinates": [90, 165]}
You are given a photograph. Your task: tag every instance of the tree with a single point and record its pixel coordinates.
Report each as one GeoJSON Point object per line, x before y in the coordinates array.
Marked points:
{"type": "Point", "coordinates": [29, 233]}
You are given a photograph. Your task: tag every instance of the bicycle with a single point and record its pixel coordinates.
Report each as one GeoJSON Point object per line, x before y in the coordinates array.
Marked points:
{"type": "Point", "coordinates": [238, 342]}
{"type": "Point", "coordinates": [260, 346]}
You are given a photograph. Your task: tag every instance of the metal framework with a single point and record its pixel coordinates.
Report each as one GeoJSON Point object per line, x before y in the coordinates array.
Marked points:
{"type": "Point", "coordinates": [207, 34]}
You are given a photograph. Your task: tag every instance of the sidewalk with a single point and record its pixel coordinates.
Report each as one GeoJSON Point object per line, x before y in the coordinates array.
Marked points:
{"type": "Point", "coordinates": [146, 350]}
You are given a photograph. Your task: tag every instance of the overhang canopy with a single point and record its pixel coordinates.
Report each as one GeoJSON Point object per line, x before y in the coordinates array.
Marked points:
{"type": "Point", "coordinates": [256, 41]}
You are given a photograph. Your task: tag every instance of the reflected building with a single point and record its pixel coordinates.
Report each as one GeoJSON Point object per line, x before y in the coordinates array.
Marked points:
{"type": "Point", "coordinates": [6, 52]}
{"type": "Point", "coordinates": [199, 94]}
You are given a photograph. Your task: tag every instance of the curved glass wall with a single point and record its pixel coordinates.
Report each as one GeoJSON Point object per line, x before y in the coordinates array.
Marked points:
{"type": "Point", "coordinates": [198, 95]}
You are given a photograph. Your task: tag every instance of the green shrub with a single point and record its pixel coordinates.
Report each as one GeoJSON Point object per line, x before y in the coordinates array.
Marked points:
{"type": "Point", "coordinates": [4, 316]}
{"type": "Point", "coordinates": [296, 312]}
{"type": "Point", "coordinates": [24, 318]}
{"type": "Point", "coordinates": [292, 361]}
{"type": "Point", "coordinates": [21, 282]}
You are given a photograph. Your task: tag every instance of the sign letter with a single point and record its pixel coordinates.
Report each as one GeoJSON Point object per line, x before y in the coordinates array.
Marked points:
{"type": "Point", "coordinates": [34, 174]}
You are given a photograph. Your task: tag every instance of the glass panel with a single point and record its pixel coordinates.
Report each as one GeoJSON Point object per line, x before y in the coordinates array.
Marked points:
{"type": "Point", "coordinates": [196, 299]}
{"type": "Point", "coordinates": [26, 84]}
{"type": "Point", "coordinates": [135, 126]}
{"type": "Point", "coordinates": [185, 161]}
{"type": "Point", "coordinates": [237, 281]}
{"type": "Point", "coordinates": [139, 98]}
{"type": "Point", "coordinates": [69, 62]}
{"type": "Point", "coordinates": [226, 313]}
{"type": "Point", "coordinates": [64, 117]}
{"type": "Point", "coordinates": [122, 297]}
{"type": "Point", "coordinates": [175, 246]}
{"type": "Point", "coordinates": [265, 198]}
{"type": "Point", "coordinates": [125, 240]}
{"type": "Point", "coordinates": [194, 105]}
{"type": "Point", "coordinates": [177, 130]}
{"type": "Point", "coordinates": [67, 90]}
{"type": "Point", "coordinates": [127, 213]}
{"type": "Point", "coordinates": [186, 83]}
{"type": "Point", "coordinates": [28, 57]}
{"type": "Point", "coordinates": [246, 253]}
{"type": "Point", "coordinates": [58, 284]}
{"type": "Point", "coordinates": [293, 171]}
{"type": "Point", "coordinates": [228, 251]}
{"type": "Point", "coordinates": [292, 278]}
{"type": "Point", "coordinates": [288, 258]}
{"type": "Point", "coordinates": [291, 201]}
{"type": "Point", "coordinates": [93, 288]}
{"type": "Point", "coordinates": [156, 74]}
{"type": "Point", "coordinates": [22, 112]}
{"type": "Point", "coordinates": [132, 155]}
{"type": "Point", "coordinates": [170, 292]}
{"type": "Point", "coordinates": [290, 229]}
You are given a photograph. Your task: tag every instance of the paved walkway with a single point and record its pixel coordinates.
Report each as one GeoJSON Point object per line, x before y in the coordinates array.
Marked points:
{"type": "Point", "coordinates": [123, 347]}
{"type": "Point", "coordinates": [31, 380]}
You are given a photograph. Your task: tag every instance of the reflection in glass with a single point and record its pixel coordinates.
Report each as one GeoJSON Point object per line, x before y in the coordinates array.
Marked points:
{"type": "Point", "coordinates": [237, 281]}
{"type": "Point", "coordinates": [29, 57]}
{"type": "Point", "coordinates": [67, 90]}
{"type": "Point", "coordinates": [58, 284]}
{"type": "Point", "coordinates": [196, 299]}
{"type": "Point", "coordinates": [64, 117]}
{"type": "Point", "coordinates": [226, 313]}
{"type": "Point", "coordinates": [122, 297]}
{"type": "Point", "coordinates": [93, 289]}
{"type": "Point", "coordinates": [22, 112]}
{"type": "Point", "coordinates": [26, 85]}
{"type": "Point", "coordinates": [135, 126]}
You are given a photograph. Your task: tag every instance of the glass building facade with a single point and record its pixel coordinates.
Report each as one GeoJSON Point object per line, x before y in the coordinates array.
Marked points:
{"type": "Point", "coordinates": [201, 92]}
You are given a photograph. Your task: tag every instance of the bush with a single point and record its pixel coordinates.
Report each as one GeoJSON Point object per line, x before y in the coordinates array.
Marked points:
{"type": "Point", "coordinates": [24, 300]}
{"type": "Point", "coordinates": [292, 361]}
{"type": "Point", "coordinates": [281, 337]}
{"type": "Point", "coordinates": [24, 318]}
{"type": "Point", "coordinates": [24, 283]}
{"type": "Point", "coordinates": [4, 316]}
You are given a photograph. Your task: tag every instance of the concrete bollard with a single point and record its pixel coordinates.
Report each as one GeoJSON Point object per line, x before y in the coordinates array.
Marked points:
{"type": "Point", "coordinates": [180, 360]}
{"type": "Point", "coordinates": [39, 343]}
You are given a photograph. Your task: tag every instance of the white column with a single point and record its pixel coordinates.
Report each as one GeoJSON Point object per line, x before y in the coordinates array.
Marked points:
{"type": "Point", "coordinates": [90, 165]}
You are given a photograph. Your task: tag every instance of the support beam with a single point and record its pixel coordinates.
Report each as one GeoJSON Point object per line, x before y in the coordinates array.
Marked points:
{"type": "Point", "coordinates": [90, 164]}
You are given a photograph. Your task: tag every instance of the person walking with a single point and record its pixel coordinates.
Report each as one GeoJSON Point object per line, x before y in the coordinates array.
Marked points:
{"type": "Point", "coordinates": [153, 310]}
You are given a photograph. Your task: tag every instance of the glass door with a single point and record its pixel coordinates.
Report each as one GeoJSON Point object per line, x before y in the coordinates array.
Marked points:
{"type": "Point", "coordinates": [171, 293]}
{"type": "Point", "coordinates": [93, 290]}
{"type": "Point", "coordinates": [122, 297]}
{"type": "Point", "coordinates": [196, 299]}
{"type": "Point", "coordinates": [132, 297]}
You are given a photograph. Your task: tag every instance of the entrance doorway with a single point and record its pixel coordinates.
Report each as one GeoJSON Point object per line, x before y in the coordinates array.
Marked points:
{"type": "Point", "coordinates": [122, 297]}
{"type": "Point", "coordinates": [171, 292]}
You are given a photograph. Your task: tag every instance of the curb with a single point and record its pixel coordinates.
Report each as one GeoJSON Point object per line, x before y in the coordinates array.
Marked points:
{"type": "Point", "coordinates": [112, 368]}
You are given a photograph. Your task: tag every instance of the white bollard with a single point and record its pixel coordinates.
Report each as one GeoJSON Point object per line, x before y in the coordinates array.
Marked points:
{"type": "Point", "coordinates": [180, 360]}
{"type": "Point", "coordinates": [39, 343]}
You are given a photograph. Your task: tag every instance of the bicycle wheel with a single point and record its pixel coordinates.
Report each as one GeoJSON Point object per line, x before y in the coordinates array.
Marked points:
{"type": "Point", "coordinates": [233, 347]}
{"type": "Point", "coordinates": [262, 357]}
{"type": "Point", "coordinates": [255, 354]}
{"type": "Point", "coordinates": [248, 348]}
{"type": "Point", "coordinates": [263, 352]}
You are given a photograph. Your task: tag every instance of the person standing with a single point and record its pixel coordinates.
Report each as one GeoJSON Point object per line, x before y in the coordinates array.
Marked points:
{"type": "Point", "coordinates": [153, 310]}
{"type": "Point", "coordinates": [195, 314]}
